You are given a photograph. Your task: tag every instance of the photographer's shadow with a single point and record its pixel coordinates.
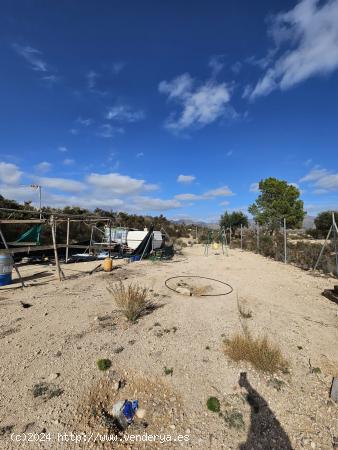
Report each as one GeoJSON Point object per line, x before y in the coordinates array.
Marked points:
{"type": "Point", "coordinates": [265, 430]}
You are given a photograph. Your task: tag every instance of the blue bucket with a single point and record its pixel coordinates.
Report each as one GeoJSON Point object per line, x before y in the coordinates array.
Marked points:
{"type": "Point", "coordinates": [6, 267]}
{"type": "Point", "coordinates": [5, 279]}
{"type": "Point", "coordinates": [135, 258]}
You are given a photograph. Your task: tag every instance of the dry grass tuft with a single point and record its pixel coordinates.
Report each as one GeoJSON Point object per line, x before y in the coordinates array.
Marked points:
{"type": "Point", "coordinates": [243, 310]}
{"type": "Point", "coordinates": [132, 300]}
{"type": "Point", "coordinates": [260, 352]}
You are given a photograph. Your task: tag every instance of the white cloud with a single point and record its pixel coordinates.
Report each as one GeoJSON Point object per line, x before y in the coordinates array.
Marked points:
{"type": "Point", "coordinates": [68, 161]}
{"type": "Point", "coordinates": [201, 105]}
{"type": "Point", "coordinates": [186, 179]}
{"type": "Point", "coordinates": [216, 63]}
{"type": "Point", "coordinates": [189, 197]}
{"type": "Point", "coordinates": [124, 113]}
{"type": "Point", "coordinates": [113, 190]}
{"type": "Point", "coordinates": [119, 184]}
{"type": "Point", "coordinates": [32, 56]}
{"type": "Point", "coordinates": [254, 187]}
{"type": "Point", "coordinates": [178, 87]}
{"type": "Point", "coordinates": [91, 77]}
{"type": "Point", "coordinates": [62, 184]}
{"type": "Point", "coordinates": [84, 122]}
{"type": "Point", "coordinates": [117, 67]}
{"type": "Point", "coordinates": [236, 67]}
{"type": "Point", "coordinates": [313, 209]}
{"type": "Point", "coordinates": [108, 131]}
{"type": "Point", "coordinates": [51, 79]}
{"type": "Point", "coordinates": [43, 166]}
{"type": "Point", "coordinates": [322, 179]}
{"type": "Point", "coordinates": [62, 149]}
{"type": "Point", "coordinates": [229, 153]}
{"type": "Point", "coordinates": [307, 40]}
{"type": "Point", "coordinates": [223, 191]}
{"type": "Point", "coordinates": [313, 175]}
{"type": "Point", "coordinates": [154, 204]}
{"type": "Point", "coordinates": [139, 155]}
{"type": "Point", "coordinates": [19, 193]}
{"type": "Point", "coordinates": [225, 203]}
{"type": "Point", "coordinates": [9, 173]}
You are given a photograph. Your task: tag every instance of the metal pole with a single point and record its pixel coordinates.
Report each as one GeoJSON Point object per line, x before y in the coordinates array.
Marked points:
{"type": "Point", "coordinates": [145, 248]}
{"type": "Point", "coordinates": [40, 203]}
{"type": "Point", "coordinates": [285, 240]}
{"type": "Point", "coordinates": [67, 248]}
{"type": "Point", "coordinates": [109, 239]}
{"type": "Point", "coordinates": [322, 249]}
{"type": "Point", "coordinates": [335, 241]}
{"type": "Point", "coordinates": [241, 237]}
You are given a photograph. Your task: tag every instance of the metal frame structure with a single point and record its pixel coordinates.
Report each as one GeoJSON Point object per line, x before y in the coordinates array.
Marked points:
{"type": "Point", "coordinates": [53, 220]}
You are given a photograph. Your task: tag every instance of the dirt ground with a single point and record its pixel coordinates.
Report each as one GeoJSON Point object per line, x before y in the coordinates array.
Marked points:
{"type": "Point", "coordinates": [171, 360]}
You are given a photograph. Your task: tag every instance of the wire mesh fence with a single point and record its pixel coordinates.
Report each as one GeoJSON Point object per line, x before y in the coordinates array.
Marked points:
{"type": "Point", "coordinates": [299, 251]}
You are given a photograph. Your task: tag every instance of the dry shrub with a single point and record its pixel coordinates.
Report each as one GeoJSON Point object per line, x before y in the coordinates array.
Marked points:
{"type": "Point", "coordinates": [244, 311]}
{"type": "Point", "coordinates": [260, 352]}
{"type": "Point", "coordinates": [132, 300]}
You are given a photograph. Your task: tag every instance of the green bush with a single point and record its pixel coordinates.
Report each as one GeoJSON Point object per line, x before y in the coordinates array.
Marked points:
{"type": "Point", "coordinates": [103, 364]}
{"type": "Point", "coordinates": [213, 404]}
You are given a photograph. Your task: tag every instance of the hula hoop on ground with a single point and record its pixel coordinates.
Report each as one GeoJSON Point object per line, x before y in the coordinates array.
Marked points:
{"type": "Point", "coordinates": [204, 278]}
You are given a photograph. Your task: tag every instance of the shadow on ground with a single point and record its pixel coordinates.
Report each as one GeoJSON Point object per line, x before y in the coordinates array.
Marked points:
{"type": "Point", "coordinates": [265, 433]}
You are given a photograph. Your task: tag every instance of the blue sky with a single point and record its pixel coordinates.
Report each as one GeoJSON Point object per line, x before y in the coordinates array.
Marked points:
{"type": "Point", "coordinates": [173, 107]}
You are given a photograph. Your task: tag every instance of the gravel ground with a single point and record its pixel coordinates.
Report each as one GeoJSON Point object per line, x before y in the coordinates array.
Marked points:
{"type": "Point", "coordinates": [51, 386]}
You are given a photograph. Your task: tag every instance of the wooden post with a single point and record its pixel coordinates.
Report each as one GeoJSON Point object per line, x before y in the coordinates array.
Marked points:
{"type": "Point", "coordinates": [67, 248]}
{"type": "Point", "coordinates": [257, 237]}
{"type": "Point", "coordinates": [15, 266]}
{"type": "Point", "coordinates": [57, 264]}
{"type": "Point", "coordinates": [91, 238]}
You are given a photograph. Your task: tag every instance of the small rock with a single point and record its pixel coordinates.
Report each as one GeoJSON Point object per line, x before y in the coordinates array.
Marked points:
{"type": "Point", "coordinates": [53, 376]}
{"type": "Point", "coordinates": [334, 390]}
{"type": "Point", "coordinates": [118, 349]}
{"type": "Point", "coordinates": [183, 291]}
{"type": "Point", "coordinates": [172, 427]}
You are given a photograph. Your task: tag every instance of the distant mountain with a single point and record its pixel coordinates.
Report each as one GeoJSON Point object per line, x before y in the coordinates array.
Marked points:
{"type": "Point", "coordinates": [198, 223]}
{"type": "Point", "coordinates": [309, 222]}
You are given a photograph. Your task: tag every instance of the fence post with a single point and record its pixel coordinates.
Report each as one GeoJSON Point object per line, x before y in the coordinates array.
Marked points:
{"type": "Point", "coordinates": [258, 237]}
{"type": "Point", "coordinates": [241, 237]}
{"type": "Point", "coordinates": [335, 241]}
{"type": "Point", "coordinates": [67, 248]}
{"type": "Point", "coordinates": [285, 243]}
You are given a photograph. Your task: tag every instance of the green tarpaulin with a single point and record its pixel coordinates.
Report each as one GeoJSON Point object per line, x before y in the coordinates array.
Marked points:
{"type": "Point", "coordinates": [31, 235]}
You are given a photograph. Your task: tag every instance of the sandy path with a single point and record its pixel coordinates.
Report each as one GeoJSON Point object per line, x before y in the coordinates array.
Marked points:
{"type": "Point", "coordinates": [61, 334]}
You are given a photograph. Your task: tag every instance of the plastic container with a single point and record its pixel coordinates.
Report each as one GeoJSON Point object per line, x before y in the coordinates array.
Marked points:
{"type": "Point", "coordinates": [135, 258]}
{"type": "Point", "coordinates": [6, 267]}
{"type": "Point", "coordinates": [107, 265]}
